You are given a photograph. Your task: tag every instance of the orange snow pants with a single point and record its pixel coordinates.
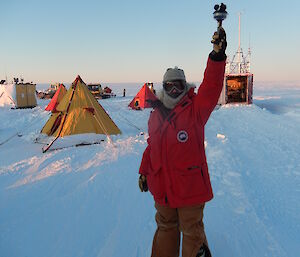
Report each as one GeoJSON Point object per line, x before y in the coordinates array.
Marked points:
{"type": "Point", "coordinates": [172, 221]}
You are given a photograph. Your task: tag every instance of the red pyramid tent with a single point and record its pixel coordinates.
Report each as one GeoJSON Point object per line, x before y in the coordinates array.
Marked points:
{"type": "Point", "coordinates": [58, 96]}
{"type": "Point", "coordinates": [139, 101]}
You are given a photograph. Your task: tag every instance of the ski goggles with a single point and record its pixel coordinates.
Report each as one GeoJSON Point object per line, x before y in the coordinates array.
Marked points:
{"type": "Point", "coordinates": [178, 85]}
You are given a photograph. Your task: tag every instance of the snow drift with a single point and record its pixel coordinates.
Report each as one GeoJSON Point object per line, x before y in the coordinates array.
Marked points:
{"type": "Point", "coordinates": [85, 201]}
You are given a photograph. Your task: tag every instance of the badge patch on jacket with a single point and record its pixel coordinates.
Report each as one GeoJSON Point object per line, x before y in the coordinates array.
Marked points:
{"type": "Point", "coordinates": [182, 136]}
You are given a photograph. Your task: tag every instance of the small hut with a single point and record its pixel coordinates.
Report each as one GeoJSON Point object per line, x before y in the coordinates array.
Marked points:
{"type": "Point", "coordinates": [18, 95]}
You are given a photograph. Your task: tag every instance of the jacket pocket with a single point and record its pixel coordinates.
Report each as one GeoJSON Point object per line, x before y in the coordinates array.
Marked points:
{"type": "Point", "coordinates": [156, 184]}
{"type": "Point", "coordinates": [189, 182]}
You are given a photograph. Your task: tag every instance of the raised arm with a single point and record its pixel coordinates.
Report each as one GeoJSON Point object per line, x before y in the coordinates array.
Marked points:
{"type": "Point", "coordinates": [212, 84]}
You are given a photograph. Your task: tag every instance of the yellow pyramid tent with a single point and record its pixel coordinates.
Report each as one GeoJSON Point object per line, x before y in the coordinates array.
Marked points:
{"type": "Point", "coordinates": [79, 113]}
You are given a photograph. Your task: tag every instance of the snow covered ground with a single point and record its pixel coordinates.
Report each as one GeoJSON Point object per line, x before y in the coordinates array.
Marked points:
{"type": "Point", "coordinates": [85, 201]}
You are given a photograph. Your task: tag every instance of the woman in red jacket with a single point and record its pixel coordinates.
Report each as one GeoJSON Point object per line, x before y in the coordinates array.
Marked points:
{"type": "Point", "coordinates": [174, 166]}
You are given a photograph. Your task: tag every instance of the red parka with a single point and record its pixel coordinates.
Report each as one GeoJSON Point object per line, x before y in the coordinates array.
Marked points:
{"type": "Point", "coordinates": [174, 161]}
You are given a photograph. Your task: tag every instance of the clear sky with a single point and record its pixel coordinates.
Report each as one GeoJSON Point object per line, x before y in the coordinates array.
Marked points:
{"type": "Point", "coordinates": [136, 40]}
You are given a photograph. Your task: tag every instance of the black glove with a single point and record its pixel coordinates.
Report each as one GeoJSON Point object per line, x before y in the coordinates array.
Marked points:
{"type": "Point", "coordinates": [143, 183]}
{"type": "Point", "coordinates": [219, 45]}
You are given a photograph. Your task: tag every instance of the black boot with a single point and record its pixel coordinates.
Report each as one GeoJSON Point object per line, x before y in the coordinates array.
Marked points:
{"type": "Point", "coordinates": [201, 252]}
{"type": "Point", "coordinates": [204, 251]}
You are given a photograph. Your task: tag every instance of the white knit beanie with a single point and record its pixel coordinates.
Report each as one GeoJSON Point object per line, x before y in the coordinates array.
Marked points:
{"type": "Point", "coordinates": [173, 74]}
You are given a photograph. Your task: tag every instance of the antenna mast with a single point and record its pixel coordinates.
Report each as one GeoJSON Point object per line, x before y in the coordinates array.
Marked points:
{"type": "Point", "coordinates": [249, 57]}
{"type": "Point", "coordinates": [239, 48]}
{"type": "Point", "coordinates": [239, 64]}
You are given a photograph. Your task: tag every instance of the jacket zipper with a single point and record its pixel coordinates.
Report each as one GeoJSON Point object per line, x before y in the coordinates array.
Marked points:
{"type": "Point", "coordinates": [165, 161]}
{"type": "Point", "coordinates": [194, 167]}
